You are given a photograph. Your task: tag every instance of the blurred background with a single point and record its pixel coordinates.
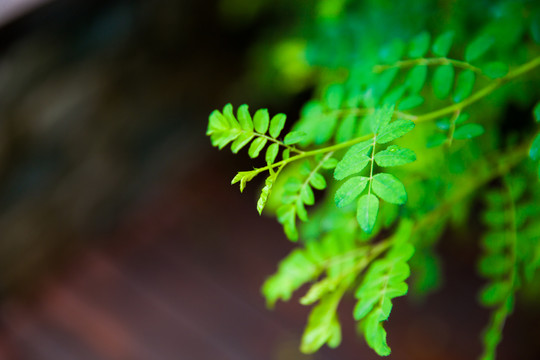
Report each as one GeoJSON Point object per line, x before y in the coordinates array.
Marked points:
{"type": "Point", "coordinates": [120, 236]}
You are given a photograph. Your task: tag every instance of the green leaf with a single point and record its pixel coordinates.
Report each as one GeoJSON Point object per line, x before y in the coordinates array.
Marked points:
{"type": "Point", "coordinates": [243, 177]}
{"type": "Point", "coordinates": [286, 215]}
{"type": "Point", "coordinates": [322, 324]}
{"type": "Point", "coordinates": [495, 293]}
{"type": "Point", "coordinates": [536, 112]}
{"type": "Point", "coordinates": [261, 121]}
{"type": "Point", "coordinates": [478, 47]}
{"type": "Point", "coordinates": [368, 208]}
{"type": "Point", "coordinates": [346, 129]}
{"type": "Point", "coordinates": [468, 131]}
{"type": "Point", "coordinates": [307, 196]}
{"type": "Point", "coordinates": [276, 125]}
{"type": "Point", "coordinates": [381, 117]}
{"type": "Point", "coordinates": [265, 192]}
{"type": "Point", "coordinates": [464, 85]}
{"type": "Point", "coordinates": [394, 156]}
{"type": "Point", "coordinates": [419, 45]}
{"type": "Point", "coordinates": [534, 151]}
{"type": "Point", "coordinates": [317, 290]}
{"type": "Point", "coordinates": [293, 271]}
{"type": "Point", "coordinates": [389, 188]}
{"type": "Point", "coordinates": [411, 102]}
{"type": "Point", "coordinates": [442, 44]}
{"type": "Point", "coordinates": [443, 80]}
{"type": "Point", "coordinates": [495, 69]}
{"type": "Point", "coordinates": [394, 130]}
{"type": "Point", "coordinates": [241, 141]}
{"type": "Point", "coordinates": [228, 113]}
{"type": "Point", "coordinates": [334, 96]}
{"type": "Point", "coordinates": [294, 137]}
{"type": "Point", "coordinates": [271, 153]}
{"type": "Point", "coordinates": [354, 161]}
{"type": "Point", "coordinates": [376, 335]}
{"type": "Point", "coordinates": [416, 78]}
{"type": "Point", "coordinates": [435, 140]}
{"type": "Point", "coordinates": [244, 118]}
{"type": "Point", "coordinates": [494, 265]}
{"type": "Point", "coordinates": [317, 181]}
{"type": "Point", "coordinates": [329, 163]}
{"type": "Point", "coordinates": [350, 190]}
{"type": "Point", "coordinates": [391, 52]}
{"type": "Point", "coordinates": [256, 146]}
{"type": "Point", "coordinates": [443, 123]}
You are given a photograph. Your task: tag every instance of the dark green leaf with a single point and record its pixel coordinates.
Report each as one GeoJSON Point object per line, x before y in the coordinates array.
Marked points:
{"type": "Point", "coordinates": [464, 85]}
{"type": "Point", "coordinates": [411, 102]}
{"type": "Point", "coordinates": [534, 152]}
{"type": "Point", "coordinates": [394, 130]}
{"type": "Point", "coordinates": [368, 208]}
{"type": "Point", "coordinates": [416, 78]}
{"type": "Point", "coordinates": [244, 118]}
{"type": "Point", "coordinates": [443, 80]}
{"type": "Point", "coordinates": [256, 146]}
{"type": "Point", "coordinates": [419, 45]}
{"type": "Point", "coordinates": [350, 190]}
{"type": "Point", "coordinates": [494, 293]}
{"type": "Point", "coordinates": [276, 125]}
{"type": "Point", "coordinates": [271, 153]}
{"type": "Point", "coordinates": [495, 69]}
{"type": "Point", "coordinates": [394, 156]}
{"type": "Point", "coordinates": [478, 47]}
{"type": "Point", "coordinates": [391, 52]}
{"type": "Point", "coordinates": [389, 188]}
{"type": "Point", "coordinates": [468, 131]}
{"type": "Point", "coordinates": [442, 44]}
{"type": "Point", "coordinates": [443, 123]}
{"type": "Point", "coordinates": [294, 137]}
{"type": "Point", "coordinates": [435, 140]}
{"type": "Point", "coordinates": [536, 112]}
{"type": "Point", "coordinates": [261, 121]}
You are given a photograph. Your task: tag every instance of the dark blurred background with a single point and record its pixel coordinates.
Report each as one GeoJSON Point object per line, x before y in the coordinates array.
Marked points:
{"type": "Point", "coordinates": [120, 236]}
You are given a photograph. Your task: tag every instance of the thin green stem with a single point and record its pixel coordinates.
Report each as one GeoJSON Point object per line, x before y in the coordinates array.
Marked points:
{"type": "Point", "coordinates": [372, 163]}
{"type": "Point", "coordinates": [426, 61]}
{"type": "Point", "coordinates": [480, 94]}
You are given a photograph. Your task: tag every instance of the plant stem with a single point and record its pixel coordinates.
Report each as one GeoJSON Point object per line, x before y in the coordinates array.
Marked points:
{"type": "Point", "coordinates": [426, 61]}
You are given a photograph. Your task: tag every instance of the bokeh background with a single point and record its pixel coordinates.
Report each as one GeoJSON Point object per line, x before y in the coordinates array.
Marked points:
{"type": "Point", "coordinates": [120, 236]}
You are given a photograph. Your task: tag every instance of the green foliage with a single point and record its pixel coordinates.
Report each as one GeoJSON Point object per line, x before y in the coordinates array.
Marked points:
{"type": "Point", "coordinates": [404, 133]}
